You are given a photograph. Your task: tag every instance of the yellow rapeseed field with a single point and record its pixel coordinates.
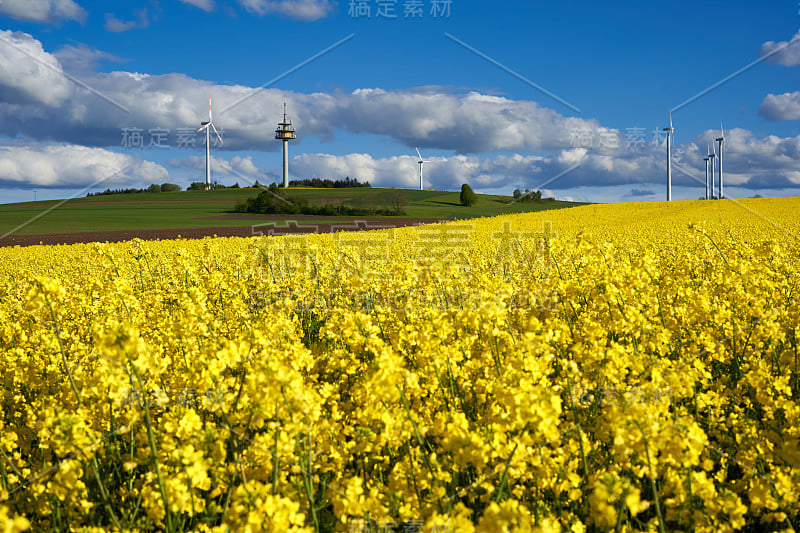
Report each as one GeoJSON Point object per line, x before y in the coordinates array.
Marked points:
{"type": "Point", "coordinates": [622, 367]}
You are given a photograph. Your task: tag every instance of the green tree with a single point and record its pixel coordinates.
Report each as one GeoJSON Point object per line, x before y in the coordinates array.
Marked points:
{"type": "Point", "coordinates": [154, 188]}
{"type": "Point", "coordinates": [468, 196]}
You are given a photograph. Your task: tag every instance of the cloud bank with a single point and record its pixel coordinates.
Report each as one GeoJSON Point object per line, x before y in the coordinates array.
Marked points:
{"type": "Point", "coordinates": [750, 163]}
{"type": "Point", "coordinates": [494, 141]}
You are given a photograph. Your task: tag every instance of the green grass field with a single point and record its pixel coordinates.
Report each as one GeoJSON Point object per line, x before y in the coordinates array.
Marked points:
{"type": "Point", "coordinates": [198, 209]}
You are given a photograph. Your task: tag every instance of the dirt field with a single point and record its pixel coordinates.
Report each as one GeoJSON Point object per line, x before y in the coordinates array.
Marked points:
{"type": "Point", "coordinates": [76, 204]}
{"type": "Point", "coordinates": [231, 202]}
{"type": "Point", "coordinates": [317, 225]}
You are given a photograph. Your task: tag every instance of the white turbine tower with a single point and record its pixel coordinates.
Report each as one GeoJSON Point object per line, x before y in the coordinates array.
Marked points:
{"type": "Point", "coordinates": [670, 132]}
{"type": "Point", "coordinates": [711, 157]}
{"type": "Point", "coordinates": [420, 163]}
{"type": "Point", "coordinates": [205, 126]}
{"type": "Point", "coordinates": [721, 142]}
{"type": "Point", "coordinates": [707, 158]}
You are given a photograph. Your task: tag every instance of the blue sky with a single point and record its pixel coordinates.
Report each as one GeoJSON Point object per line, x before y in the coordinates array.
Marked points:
{"type": "Point", "coordinates": [614, 69]}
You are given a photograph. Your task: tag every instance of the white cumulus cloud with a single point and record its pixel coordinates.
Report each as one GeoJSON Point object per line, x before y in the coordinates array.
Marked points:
{"type": "Point", "coordinates": [238, 168]}
{"type": "Point", "coordinates": [785, 53]}
{"type": "Point", "coordinates": [777, 107]}
{"type": "Point", "coordinates": [49, 11]}
{"type": "Point", "coordinates": [307, 10]}
{"type": "Point", "coordinates": [113, 24]}
{"type": "Point", "coordinates": [66, 165]}
{"type": "Point", "coordinates": [28, 74]}
{"type": "Point", "coordinates": [205, 5]}
{"type": "Point", "coordinates": [448, 173]}
{"type": "Point", "coordinates": [82, 58]}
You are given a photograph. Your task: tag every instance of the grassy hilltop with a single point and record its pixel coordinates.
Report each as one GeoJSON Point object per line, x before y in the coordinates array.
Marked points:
{"type": "Point", "coordinates": [210, 209]}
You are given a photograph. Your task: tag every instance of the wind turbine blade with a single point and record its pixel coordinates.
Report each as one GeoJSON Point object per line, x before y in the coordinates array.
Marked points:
{"type": "Point", "coordinates": [419, 154]}
{"type": "Point", "coordinates": [209, 108]}
{"type": "Point", "coordinates": [670, 119]}
{"type": "Point", "coordinates": [215, 131]}
{"type": "Point", "coordinates": [202, 128]}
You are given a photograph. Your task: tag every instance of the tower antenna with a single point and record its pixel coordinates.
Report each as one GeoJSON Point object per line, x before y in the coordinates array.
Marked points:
{"type": "Point", "coordinates": [285, 133]}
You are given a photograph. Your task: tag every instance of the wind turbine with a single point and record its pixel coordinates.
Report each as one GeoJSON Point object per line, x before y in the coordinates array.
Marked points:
{"type": "Point", "coordinates": [670, 132]}
{"type": "Point", "coordinates": [721, 142]}
{"type": "Point", "coordinates": [420, 163]}
{"type": "Point", "coordinates": [707, 158]}
{"type": "Point", "coordinates": [205, 126]}
{"type": "Point", "coordinates": [712, 156]}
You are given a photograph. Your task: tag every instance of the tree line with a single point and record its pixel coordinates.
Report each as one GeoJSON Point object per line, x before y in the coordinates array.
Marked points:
{"type": "Point", "coordinates": [278, 201]}
{"type": "Point", "coordinates": [329, 184]}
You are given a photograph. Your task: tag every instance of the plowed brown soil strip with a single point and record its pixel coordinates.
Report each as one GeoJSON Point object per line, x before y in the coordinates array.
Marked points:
{"type": "Point", "coordinates": [74, 204]}
{"type": "Point", "coordinates": [305, 219]}
{"type": "Point", "coordinates": [292, 227]}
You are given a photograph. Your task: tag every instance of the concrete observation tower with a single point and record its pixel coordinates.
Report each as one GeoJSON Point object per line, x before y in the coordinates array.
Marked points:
{"type": "Point", "coordinates": [285, 133]}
